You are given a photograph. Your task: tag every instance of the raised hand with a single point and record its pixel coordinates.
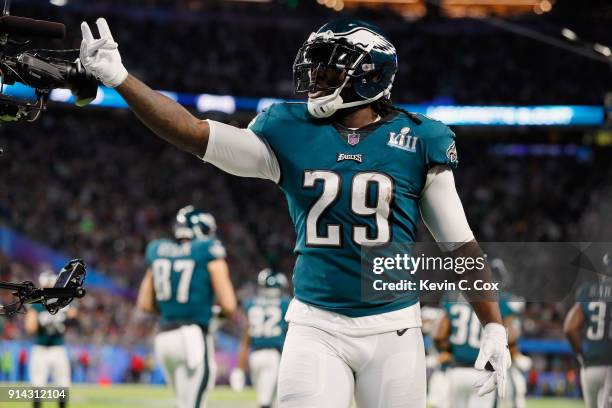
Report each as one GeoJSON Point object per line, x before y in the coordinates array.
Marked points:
{"type": "Point", "coordinates": [100, 57]}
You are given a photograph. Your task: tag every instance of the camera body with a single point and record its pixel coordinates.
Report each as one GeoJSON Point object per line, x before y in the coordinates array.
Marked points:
{"type": "Point", "coordinates": [68, 285]}
{"type": "Point", "coordinates": [44, 73]}
{"type": "Point", "coordinates": [69, 282]}
{"type": "Point", "coordinates": [41, 70]}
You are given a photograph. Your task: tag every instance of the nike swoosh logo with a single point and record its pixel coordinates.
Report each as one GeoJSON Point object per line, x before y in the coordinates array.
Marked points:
{"type": "Point", "coordinates": [401, 332]}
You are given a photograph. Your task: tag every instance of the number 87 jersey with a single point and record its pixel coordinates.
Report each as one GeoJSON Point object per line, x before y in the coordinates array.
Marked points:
{"type": "Point", "coordinates": [183, 290]}
{"type": "Point", "coordinates": [347, 189]}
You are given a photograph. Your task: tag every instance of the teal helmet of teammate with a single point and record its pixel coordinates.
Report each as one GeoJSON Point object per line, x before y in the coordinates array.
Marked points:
{"type": "Point", "coordinates": [346, 63]}
{"type": "Point", "coordinates": [270, 283]}
{"type": "Point", "coordinates": [194, 224]}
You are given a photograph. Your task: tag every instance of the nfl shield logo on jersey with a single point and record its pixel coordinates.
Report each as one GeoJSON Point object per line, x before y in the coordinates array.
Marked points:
{"type": "Point", "coordinates": [353, 138]}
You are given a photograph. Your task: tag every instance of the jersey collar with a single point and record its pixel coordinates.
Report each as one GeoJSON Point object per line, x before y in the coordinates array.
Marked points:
{"type": "Point", "coordinates": [354, 136]}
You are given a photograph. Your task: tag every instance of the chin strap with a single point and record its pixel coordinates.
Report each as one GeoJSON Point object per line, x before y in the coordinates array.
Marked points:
{"type": "Point", "coordinates": [325, 106]}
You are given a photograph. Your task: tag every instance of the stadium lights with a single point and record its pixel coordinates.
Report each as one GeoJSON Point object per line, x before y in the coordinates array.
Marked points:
{"type": "Point", "coordinates": [548, 115]}
{"type": "Point", "coordinates": [337, 5]}
{"type": "Point", "coordinates": [542, 7]}
{"type": "Point", "coordinates": [388, 1]}
{"type": "Point", "coordinates": [491, 2]}
{"type": "Point", "coordinates": [545, 6]}
{"type": "Point", "coordinates": [602, 49]}
{"type": "Point", "coordinates": [569, 34]}
{"type": "Point", "coordinates": [513, 115]}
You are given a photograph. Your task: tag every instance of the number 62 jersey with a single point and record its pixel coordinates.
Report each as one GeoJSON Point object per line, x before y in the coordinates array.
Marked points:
{"type": "Point", "coordinates": [346, 189]}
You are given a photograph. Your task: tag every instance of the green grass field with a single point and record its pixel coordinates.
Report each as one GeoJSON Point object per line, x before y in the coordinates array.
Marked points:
{"type": "Point", "coordinates": [132, 396]}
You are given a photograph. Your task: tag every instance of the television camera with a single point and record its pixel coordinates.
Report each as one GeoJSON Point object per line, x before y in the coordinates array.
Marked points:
{"type": "Point", "coordinates": [41, 70]}
{"type": "Point", "coordinates": [69, 285]}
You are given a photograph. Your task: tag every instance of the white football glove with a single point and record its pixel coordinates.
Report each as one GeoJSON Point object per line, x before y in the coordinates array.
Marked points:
{"type": "Point", "coordinates": [101, 57]}
{"type": "Point", "coordinates": [493, 349]}
{"type": "Point", "coordinates": [237, 379]}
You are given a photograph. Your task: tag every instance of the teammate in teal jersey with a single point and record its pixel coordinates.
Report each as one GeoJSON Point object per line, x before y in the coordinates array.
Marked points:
{"type": "Point", "coordinates": [264, 336]}
{"type": "Point", "coordinates": [184, 278]}
{"type": "Point", "coordinates": [459, 332]}
{"type": "Point", "coordinates": [357, 173]}
{"type": "Point", "coordinates": [588, 327]}
{"type": "Point", "coordinates": [49, 356]}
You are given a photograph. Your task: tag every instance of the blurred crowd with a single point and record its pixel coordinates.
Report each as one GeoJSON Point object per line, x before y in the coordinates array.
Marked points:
{"type": "Point", "coordinates": [100, 187]}
{"type": "Point", "coordinates": [236, 49]}
{"type": "Point", "coordinates": [104, 318]}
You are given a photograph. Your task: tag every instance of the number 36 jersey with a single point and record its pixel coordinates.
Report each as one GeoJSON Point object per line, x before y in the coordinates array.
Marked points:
{"type": "Point", "coordinates": [466, 330]}
{"type": "Point", "coordinates": [597, 340]}
{"type": "Point", "coordinates": [347, 189]}
{"type": "Point", "coordinates": [183, 290]}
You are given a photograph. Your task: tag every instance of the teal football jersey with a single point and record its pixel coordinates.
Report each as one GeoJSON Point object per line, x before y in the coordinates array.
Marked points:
{"type": "Point", "coordinates": [266, 317]}
{"type": "Point", "coordinates": [466, 329]}
{"type": "Point", "coordinates": [348, 189]}
{"type": "Point", "coordinates": [182, 284]}
{"type": "Point", "coordinates": [51, 328]}
{"type": "Point", "coordinates": [597, 340]}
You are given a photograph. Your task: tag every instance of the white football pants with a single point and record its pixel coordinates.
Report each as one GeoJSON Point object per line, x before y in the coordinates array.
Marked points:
{"type": "Point", "coordinates": [45, 360]}
{"type": "Point", "coordinates": [592, 381]}
{"type": "Point", "coordinates": [462, 392]}
{"type": "Point", "coordinates": [320, 369]}
{"type": "Point", "coordinates": [186, 356]}
{"type": "Point", "coordinates": [607, 391]}
{"type": "Point", "coordinates": [263, 366]}
{"type": "Point", "coordinates": [438, 390]}
{"type": "Point", "coordinates": [516, 389]}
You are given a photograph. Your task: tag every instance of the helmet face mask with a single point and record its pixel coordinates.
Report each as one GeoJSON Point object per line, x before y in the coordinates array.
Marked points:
{"type": "Point", "coordinates": [324, 66]}
{"type": "Point", "coordinates": [324, 80]}
{"type": "Point", "coordinates": [343, 54]}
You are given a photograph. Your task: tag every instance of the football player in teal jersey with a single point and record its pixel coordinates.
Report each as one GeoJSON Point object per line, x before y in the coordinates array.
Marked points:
{"type": "Point", "coordinates": [184, 278]}
{"type": "Point", "coordinates": [459, 333]}
{"type": "Point", "coordinates": [49, 356]}
{"type": "Point", "coordinates": [357, 173]}
{"type": "Point", "coordinates": [264, 336]}
{"type": "Point", "coordinates": [588, 328]}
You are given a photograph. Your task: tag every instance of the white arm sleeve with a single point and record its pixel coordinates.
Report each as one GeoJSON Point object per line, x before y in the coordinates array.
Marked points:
{"type": "Point", "coordinates": [240, 152]}
{"type": "Point", "coordinates": [442, 211]}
